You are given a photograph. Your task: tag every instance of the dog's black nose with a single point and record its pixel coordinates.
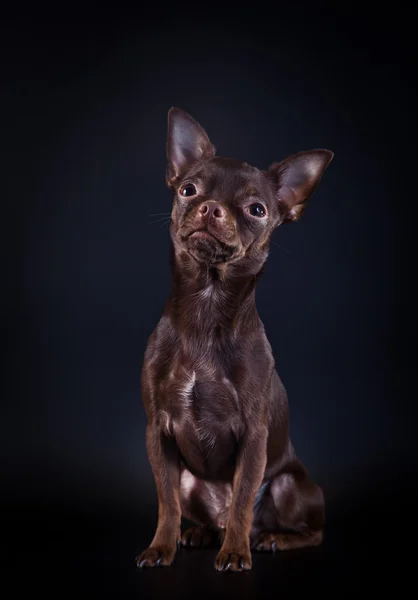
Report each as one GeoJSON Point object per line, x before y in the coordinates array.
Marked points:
{"type": "Point", "coordinates": [212, 209]}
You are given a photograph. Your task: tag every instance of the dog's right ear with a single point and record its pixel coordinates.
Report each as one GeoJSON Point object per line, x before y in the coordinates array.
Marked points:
{"type": "Point", "coordinates": [187, 143]}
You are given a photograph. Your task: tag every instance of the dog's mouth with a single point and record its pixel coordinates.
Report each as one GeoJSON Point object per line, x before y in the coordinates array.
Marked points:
{"type": "Point", "coordinates": [203, 234]}
{"type": "Point", "coordinates": [206, 247]}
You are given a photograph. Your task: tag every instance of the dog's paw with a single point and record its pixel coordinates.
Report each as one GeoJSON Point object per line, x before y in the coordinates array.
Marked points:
{"type": "Point", "coordinates": [272, 542]}
{"type": "Point", "coordinates": [233, 561]}
{"type": "Point", "coordinates": [198, 537]}
{"type": "Point", "coordinates": [158, 556]}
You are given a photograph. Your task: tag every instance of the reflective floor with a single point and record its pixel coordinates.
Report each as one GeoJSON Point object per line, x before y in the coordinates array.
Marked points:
{"type": "Point", "coordinates": [66, 549]}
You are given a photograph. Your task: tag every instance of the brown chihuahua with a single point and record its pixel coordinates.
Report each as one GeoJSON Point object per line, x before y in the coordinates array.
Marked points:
{"type": "Point", "coordinates": [218, 433]}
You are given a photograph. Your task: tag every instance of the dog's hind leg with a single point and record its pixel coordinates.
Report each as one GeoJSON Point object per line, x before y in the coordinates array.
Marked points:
{"type": "Point", "coordinates": [206, 504]}
{"type": "Point", "coordinates": [291, 512]}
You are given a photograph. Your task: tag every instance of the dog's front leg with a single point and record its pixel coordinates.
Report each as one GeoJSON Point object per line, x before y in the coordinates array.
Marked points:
{"type": "Point", "coordinates": [235, 554]}
{"type": "Point", "coordinates": [164, 458]}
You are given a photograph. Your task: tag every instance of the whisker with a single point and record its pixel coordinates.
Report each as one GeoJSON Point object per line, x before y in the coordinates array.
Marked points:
{"type": "Point", "coordinates": [281, 247]}
{"type": "Point", "coordinates": [159, 214]}
{"type": "Point", "coordinates": [159, 220]}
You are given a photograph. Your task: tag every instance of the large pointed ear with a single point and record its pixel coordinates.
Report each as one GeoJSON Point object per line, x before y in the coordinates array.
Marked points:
{"type": "Point", "coordinates": [187, 143]}
{"type": "Point", "coordinates": [296, 178]}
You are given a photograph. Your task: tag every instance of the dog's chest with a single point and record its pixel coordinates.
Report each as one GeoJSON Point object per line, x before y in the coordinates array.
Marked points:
{"type": "Point", "coordinates": [202, 413]}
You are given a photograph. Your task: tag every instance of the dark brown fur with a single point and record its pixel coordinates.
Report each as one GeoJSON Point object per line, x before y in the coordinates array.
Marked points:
{"type": "Point", "coordinates": [217, 434]}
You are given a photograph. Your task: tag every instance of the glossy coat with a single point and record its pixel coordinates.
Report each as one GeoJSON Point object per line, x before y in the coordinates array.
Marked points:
{"type": "Point", "coordinates": [217, 434]}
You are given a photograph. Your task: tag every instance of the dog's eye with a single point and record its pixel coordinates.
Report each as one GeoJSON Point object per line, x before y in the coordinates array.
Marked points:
{"type": "Point", "coordinates": [257, 210]}
{"type": "Point", "coordinates": [188, 190]}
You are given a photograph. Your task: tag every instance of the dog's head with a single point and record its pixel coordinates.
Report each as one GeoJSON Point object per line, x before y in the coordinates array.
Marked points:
{"type": "Point", "coordinates": [224, 210]}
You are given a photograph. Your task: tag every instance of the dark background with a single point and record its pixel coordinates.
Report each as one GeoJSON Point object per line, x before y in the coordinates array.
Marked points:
{"type": "Point", "coordinates": [85, 96]}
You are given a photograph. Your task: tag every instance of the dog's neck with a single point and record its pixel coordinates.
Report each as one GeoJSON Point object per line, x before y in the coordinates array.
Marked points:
{"type": "Point", "coordinates": [212, 300]}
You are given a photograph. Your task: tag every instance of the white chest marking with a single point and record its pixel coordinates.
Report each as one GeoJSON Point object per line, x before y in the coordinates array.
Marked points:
{"type": "Point", "coordinates": [187, 388]}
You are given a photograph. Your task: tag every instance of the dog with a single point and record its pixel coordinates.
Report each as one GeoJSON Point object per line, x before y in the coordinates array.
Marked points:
{"type": "Point", "coordinates": [217, 431]}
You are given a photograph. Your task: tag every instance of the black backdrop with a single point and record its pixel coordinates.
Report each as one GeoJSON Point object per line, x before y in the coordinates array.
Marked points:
{"type": "Point", "coordinates": [85, 100]}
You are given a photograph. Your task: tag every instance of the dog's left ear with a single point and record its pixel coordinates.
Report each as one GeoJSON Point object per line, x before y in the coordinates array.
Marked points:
{"type": "Point", "coordinates": [296, 178]}
{"type": "Point", "coordinates": [187, 144]}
